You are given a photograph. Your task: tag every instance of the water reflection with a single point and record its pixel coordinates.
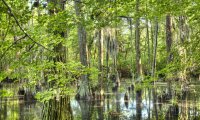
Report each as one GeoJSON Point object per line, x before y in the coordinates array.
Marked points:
{"type": "Point", "coordinates": [118, 105]}
{"type": "Point", "coordinates": [138, 105]}
{"type": "Point", "coordinates": [57, 109]}
{"type": "Point", "coordinates": [13, 109]}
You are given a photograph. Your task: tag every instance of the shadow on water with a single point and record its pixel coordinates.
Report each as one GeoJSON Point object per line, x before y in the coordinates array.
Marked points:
{"type": "Point", "coordinates": [120, 104]}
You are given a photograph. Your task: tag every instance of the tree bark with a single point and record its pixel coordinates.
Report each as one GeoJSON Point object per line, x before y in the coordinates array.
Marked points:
{"type": "Point", "coordinates": [184, 34]}
{"type": "Point", "coordinates": [169, 44]}
{"type": "Point", "coordinates": [137, 44]}
{"type": "Point", "coordinates": [83, 91]}
{"type": "Point", "coordinates": [169, 37]}
{"type": "Point", "coordinates": [155, 49]}
{"type": "Point", "coordinates": [154, 67]}
{"type": "Point", "coordinates": [132, 49]}
{"type": "Point", "coordinates": [59, 49]}
{"type": "Point", "coordinates": [100, 52]}
{"type": "Point", "coordinates": [138, 62]}
{"type": "Point", "coordinates": [148, 46]}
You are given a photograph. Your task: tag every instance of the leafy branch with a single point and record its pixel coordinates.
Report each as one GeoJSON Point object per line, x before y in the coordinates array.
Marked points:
{"type": "Point", "coordinates": [4, 53]}
{"type": "Point", "coordinates": [17, 22]}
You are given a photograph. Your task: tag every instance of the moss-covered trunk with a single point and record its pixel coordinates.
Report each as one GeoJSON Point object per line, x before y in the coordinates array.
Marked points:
{"type": "Point", "coordinates": [83, 91]}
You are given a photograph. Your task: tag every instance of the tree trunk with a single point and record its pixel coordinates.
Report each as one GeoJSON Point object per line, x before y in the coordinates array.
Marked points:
{"type": "Point", "coordinates": [83, 91]}
{"type": "Point", "coordinates": [168, 45]}
{"type": "Point", "coordinates": [100, 61]}
{"type": "Point", "coordinates": [59, 49]}
{"type": "Point", "coordinates": [154, 68]}
{"type": "Point", "coordinates": [107, 61]}
{"type": "Point", "coordinates": [148, 46]}
{"type": "Point", "coordinates": [132, 49]}
{"type": "Point", "coordinates": [155, 49]}
{"type": "Point", "coordinates": [169, 37]}
{"type": "Point", "coordinates": [137, 44]}
{"type": "Point", "coordinates": [182, 50]}
{"type": "Point", "coordinates": [138, 62]}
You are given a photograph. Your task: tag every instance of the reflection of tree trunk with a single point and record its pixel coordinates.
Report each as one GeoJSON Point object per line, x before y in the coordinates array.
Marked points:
{"type": "Point", "coordinates": [149, 108]}
{"type": "Point", "coordinates": [21, 110]}
{"type": "Point", "coordinates": [138, 105]}
{"type": "Point", "coordinates": [58, 110]}
{"type": "Point", "coordinates": [118, 102]}
{"type": "Point", "coordinates": [114, 115]}
{"type": "Point", "coordinates": [108, 103]}
{"type": "Point", "coordinates": [184, 107]}
{"type": "Point", "coordinates": [172, 113]}
{"type": "Point", "coordinates": [188, 106]}
{"type": "Point", "coordinates": [155, 103]}
{"type": "Point", "coordinates": [100, 110]}
{"type": "Point", "coordinates": [3, 114]}
{"type": "Point", "coordinates": [126, 99]}
{"type": "Point", "coordinates": [86, 109]}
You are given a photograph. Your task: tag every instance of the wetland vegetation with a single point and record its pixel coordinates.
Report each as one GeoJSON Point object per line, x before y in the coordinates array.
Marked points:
{"type": "Point", "coordinates": [99, 60]}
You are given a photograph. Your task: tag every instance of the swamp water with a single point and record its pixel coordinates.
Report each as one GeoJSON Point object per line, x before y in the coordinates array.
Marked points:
{"type": "Point", "coordinates": [115, 106]}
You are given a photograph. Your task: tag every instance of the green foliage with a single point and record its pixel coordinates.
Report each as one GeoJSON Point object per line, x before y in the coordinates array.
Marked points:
{"type": "Point", "coordinates": [6, 93]}
{"type": "Point", "coordinates": [93, 76]}
{"type": "Point", "coordinates": [45, 95]}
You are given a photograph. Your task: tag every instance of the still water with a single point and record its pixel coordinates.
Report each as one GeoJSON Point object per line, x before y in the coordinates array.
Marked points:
{"type": "Point", "coordinates": [115, 106]}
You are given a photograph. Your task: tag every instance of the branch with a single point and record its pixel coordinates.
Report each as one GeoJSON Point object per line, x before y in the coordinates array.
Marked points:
{"type": "Point", "coordinates": [26, 34]}
{"type": "Point", "coordinates": [125, 17]}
